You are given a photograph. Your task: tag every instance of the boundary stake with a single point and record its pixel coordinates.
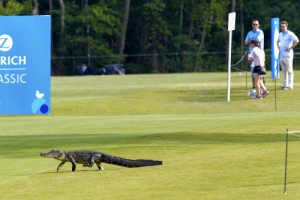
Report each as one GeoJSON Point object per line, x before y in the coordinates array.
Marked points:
{"type": "Point", "coordinates": [286, 156]}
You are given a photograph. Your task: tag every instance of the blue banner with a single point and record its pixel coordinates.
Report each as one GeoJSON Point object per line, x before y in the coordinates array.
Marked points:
{"type": "Point", "coordinates": [275, 64]}
{"type": "Point", "coordinates": [25, 50]}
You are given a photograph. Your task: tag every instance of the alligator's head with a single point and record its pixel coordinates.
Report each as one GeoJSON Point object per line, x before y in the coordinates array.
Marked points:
{"type": "Point", "coordinates": [54, 153]}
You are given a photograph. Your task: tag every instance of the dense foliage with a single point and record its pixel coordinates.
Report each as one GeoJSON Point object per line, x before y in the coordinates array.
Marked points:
{"type": "Point", "coordinates": [159, 36]}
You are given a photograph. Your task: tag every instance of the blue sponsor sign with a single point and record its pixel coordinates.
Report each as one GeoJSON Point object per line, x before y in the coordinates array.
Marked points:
{"type": "Point", "coordinates": [275, 64]}
{"type": "Point", "coordinates": [25, 64]}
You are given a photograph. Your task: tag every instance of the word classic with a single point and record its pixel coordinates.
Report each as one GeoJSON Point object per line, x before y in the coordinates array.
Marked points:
{"type": "Point", "coordinates": [12, 78]}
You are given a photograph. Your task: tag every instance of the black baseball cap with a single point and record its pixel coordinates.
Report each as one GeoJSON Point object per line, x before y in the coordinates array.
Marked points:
{"type": "Point", "coordinates": [254, 42]}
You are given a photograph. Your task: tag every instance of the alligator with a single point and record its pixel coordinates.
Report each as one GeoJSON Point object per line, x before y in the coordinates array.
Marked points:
{"type": "Point", "coordinates": [89, 157]}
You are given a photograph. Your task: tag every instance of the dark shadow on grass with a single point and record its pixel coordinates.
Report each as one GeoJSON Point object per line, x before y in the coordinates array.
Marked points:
{"type": "Point", "coordinates": [82, 170]}
{"type": "Point", "coordinates": [215, 138]}
{"type": "Point", "coordinates": [31, 146]}
{"type": "Point", "coordinates": [212, 95]}
{"type": "Point", "coordinates": [20, 146]}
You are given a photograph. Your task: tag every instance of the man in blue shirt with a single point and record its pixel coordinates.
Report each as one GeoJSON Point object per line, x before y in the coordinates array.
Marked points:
{"type": "Point", "coordinates": [287, 40]}
{"type": "Point", "coordinates": [255, 34]}
{"type": "Point", "coordinates": [258, 35]}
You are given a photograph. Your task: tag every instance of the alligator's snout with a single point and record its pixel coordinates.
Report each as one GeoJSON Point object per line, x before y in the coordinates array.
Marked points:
{"type": "Point", "coordinates": [43, 154]}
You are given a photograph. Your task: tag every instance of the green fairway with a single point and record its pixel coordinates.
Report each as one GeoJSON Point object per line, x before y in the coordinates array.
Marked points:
{"type": "Point", "coordinates": [210, 148]}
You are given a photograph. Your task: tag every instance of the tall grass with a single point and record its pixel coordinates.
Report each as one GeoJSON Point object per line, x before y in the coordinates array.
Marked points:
{"type": "Point", "coordinates": [210, 148]}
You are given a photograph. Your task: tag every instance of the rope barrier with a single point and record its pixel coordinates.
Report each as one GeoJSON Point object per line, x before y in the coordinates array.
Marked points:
{"type": "Point", "coordinates": [240, 60]}
{"type": "Point", "coordinates": [292, 132]}
{"type": "Point", "coordinates": [158, 54]}
{"type": "Point", "coordinates": [168, 54]}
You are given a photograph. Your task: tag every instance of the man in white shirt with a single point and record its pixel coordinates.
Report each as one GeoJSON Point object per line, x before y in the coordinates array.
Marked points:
{"type": "Point", "coordinates": [287, 40]}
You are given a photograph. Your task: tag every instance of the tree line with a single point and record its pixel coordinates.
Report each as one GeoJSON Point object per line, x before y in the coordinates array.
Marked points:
{"type": "Point", "coordinates": [153, 36]}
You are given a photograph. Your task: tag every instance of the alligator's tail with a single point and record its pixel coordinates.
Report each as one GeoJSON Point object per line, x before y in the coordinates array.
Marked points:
{"type": "Point", "coordinates": [106, 158]}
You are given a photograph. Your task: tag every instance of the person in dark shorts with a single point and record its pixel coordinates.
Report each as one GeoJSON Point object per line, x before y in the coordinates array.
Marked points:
{"type": "Point", "coordinates": [258, 58]}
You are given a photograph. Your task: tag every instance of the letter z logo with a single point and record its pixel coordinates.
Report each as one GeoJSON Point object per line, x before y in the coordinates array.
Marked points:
{"type": "Point", "coordinates": [6, 42]}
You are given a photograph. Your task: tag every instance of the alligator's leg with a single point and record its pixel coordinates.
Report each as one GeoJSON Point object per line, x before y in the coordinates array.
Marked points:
{"type": "Point", "coordinates": [73, 164]}
{"type": "Point", "coordinates": [86, 165]}
{"type": "Point", "coordinates": [100, 167]}
{"type": "Point", "coordinates": [91, 162]}
{"type": "Point", "coordinates": [60, 164]}
{"type": "Point", "coordinates": [96, 158]}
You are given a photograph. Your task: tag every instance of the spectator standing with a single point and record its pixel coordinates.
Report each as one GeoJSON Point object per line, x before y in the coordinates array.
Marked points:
{"type": "Point", "coordinates": [287, 40]}
{"type": "Point", "coordinates": [258, 35]}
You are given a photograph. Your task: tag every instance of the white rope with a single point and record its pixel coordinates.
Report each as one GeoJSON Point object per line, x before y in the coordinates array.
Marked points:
{"type": "Point", "coordinates": [291, 132]}
{"type": "Point", "coordinates": [239, 60]}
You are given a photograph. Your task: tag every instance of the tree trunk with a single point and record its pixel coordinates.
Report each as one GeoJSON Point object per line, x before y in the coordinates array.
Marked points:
{"type": "Point", "coordinates": [191, 25]}
{"type": "Point", "coordinates": [125, 22]}
{"type": "Point", "coordinates": [198, 57]}
{"type": "Point", "coordinates": [62, 26]}
{"type": "Point", "coordinates": [243, 30]}
{"type": "Point", "coordinates": [62, 16]}
{"type": "Point", "coordinates": [180, 22]}
{"type": "Point", "coordinates": [233, 3]}
{"type": "Point", "coordinates": [155, 61]}
{"type": "Point", "coordinates": [35, 10]}
{"type": "Point", "coordinates": [50, 13]}
{"type": "Point", "coordinates": [50, 7]}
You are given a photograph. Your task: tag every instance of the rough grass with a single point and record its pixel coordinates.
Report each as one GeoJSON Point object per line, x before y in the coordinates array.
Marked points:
{"type": "Point", "coordinates": [210, 148]}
